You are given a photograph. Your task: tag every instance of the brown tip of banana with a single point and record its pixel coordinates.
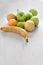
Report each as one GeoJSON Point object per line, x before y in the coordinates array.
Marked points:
{"type": "Point", "coordinates": [1, 28]}
{"type": "Point", "coordinates": [26, 39]}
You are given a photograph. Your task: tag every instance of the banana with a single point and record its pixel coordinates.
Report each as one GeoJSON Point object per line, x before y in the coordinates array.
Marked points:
{"type": "Point", "coordinates": [17, 30]}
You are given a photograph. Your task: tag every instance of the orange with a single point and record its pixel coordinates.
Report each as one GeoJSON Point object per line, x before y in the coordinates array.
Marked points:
{"type": "Point", "coordinates": [12, 22]}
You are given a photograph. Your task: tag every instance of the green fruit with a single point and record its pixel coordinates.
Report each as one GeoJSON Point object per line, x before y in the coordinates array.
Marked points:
{"type": "Point", "coordinates": [34, 12]}
{"type": "Point", "coordinates": [20, 24]}
{"type": "Point", "coordinates": [28, 16]}
{"type": "Point", "coordinates": [35, 20]}
{"type": "Point", "coordinates": [20, 16]}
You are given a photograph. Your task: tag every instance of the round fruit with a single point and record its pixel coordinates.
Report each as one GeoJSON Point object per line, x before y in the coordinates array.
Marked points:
{"type": "Point", "coordinates": [29, 25]}
{"type": "Point", "coordinates": [35, 20]}
{"type": "Point", "coordinates": [11, 16]}
{"type": "Point", "coordinates": [28, 16]}
{"type": "Point", "coordinates": [20, 16]}
{"type": "Point", "coordinates": [20, 24]}
{"type": "Point", "coordinates": [34, 12]}
{"type": "Point", "coordinates": [12, 22]}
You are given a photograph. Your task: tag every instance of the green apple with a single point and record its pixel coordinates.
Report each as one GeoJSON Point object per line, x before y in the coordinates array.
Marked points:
{"type": "Point", "coordinates": [20, 24]}
{"type": "Point", "coordinates": [29, 25]}
{"type": "Point", "coordinates": [28, 16]}
{"type": "Point", "coordinates": [21, 16]}
{"type": "Point", "coordinates": [35, 20]}
{"type": "Point", "coordinates": [34, 12]}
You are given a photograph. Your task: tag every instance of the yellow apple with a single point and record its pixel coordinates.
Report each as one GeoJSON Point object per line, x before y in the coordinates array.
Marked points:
{"type": "Point", "coordinates": [29, 25]}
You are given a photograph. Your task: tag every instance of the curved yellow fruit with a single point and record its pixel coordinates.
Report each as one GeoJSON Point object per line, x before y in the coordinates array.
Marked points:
{"type": "Point", "coordinates": [15, 29]}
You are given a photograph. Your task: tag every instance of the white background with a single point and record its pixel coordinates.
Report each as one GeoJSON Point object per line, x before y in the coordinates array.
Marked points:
{"type": "Point", "coordinates": [13, 48]}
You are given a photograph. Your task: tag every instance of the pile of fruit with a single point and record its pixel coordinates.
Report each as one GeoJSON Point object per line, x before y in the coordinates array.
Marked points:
{"type": "Point", "coordinates": [22, 22]}
{"type": "Point", "coordinates": [27, 21]}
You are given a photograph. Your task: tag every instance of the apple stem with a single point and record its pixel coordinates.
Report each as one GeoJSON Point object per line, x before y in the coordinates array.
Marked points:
{"type": "Point", "coordinates": [17, 10]}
